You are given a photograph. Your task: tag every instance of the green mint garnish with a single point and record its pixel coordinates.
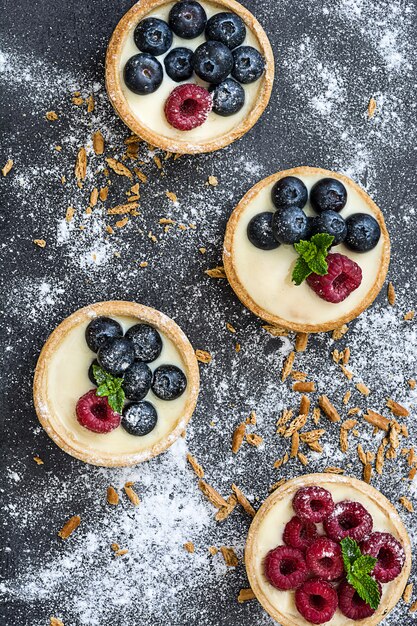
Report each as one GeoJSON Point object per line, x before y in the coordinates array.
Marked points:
{"type": "Point", "coordinates": [358, 566]}
{"type": "Point", "coordinates": [312, 257]}
{"type": "Point", "coordinates": [110, 386]}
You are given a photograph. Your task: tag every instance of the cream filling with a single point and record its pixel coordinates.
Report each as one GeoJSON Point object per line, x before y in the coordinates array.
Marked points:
{"type": "Point", "coordinates": [266, 274]}
{"type": "Point", "coordinates": [270, 534]}
{"type": "Point", "coordinates": [149, 109]}
{"type": "Point", "coordinates": [67, 381]}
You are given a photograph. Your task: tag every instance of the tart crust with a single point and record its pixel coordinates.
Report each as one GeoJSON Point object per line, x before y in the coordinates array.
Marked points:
{"type": "Point", "coordinates": [118, 100]}
{"type": "Point", "coordinates": [239, 288]}
{"type": "Point", "coordinates": [48, 417]}
{"type": "Point", "coordinates": [390, 599]}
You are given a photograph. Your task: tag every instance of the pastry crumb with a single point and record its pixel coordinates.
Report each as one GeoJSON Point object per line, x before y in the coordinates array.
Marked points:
{"type": "Point", "coordinates": [112, 496]}
{"type": "Point", "coordinates": [189, 547]}
{"type": "Point", "coordinates": [131, 494]}
{"type": "Point", "coordinates": [69, 527]}
{"type": "Point", "coordinates": [245, 595]}
{"type": "Point", "coordinates": [230, 556]}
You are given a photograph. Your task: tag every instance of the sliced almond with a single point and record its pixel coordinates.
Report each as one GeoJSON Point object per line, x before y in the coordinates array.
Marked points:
{"type": "Point", "coordinates": [243, 501]}
{"type": "Point", "coordinates": [287, 367]}
{"type": "Point", "coordinates": [301, 340]}
{"type": "Point", "coordinates": [112, 496]}
{"type": "Point", "coordinates": [230, 557]}
{"type": "Point", "coordinates": [397, 409]}
{"type": "Point", "coordinates": [304, 387]}
{"type": "Point", "coordinates": [69, 527]}
{"type": "Point", "coordinates": [81, 164]}
{"type": "Point", "coordinates": [328, 409]}
{"type": "Point", "coordinates": [198, 470]}
{"type": "Point", "coordinates": [211, 494]}
{"type": "Point", "coordinates": [131, 494]}
{"type": "Point", "coordinates": [238, 437]}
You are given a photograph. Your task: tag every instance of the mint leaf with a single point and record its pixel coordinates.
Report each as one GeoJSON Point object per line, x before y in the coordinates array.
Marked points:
{"type": "Point", "coordinates": [363, 565]}
{"type": "Point", "coordinates": [322, 241]}
{"type": "Point", "coordinates": [111, 387]}
{"type": "Point", "coordinates": [358, 566]}
{"type": "Point", "coordinates": [99, 374]}
{"type": "Point", "coordinates": [301, 271]}
{"type": "Point", "coordinates": [367, 589]}
{"type": "Point", "coordinates": [312, 257]}
{"type": "Point", "coordinates": [350, 552]}
{"type": "Point", "coordinates": [103, 390]}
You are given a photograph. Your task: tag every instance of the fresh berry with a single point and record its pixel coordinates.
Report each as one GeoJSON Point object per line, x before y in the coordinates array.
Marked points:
{"type": "Point", "coordinates": [146, 341]}
{"type": "Point", "coordinates": [260, 231]}
{"type": "Point", "coordinates": [389, 553]}
{"type": "Point", "coordinates": [324, 559]}
{"type": "Point", "coordinates": [153, 35]}
{"type": "Point", "coordinates": [290, 225]}
{"type": "Point", "coordinates": [188, 106]}
{"type": "Point", "coordinates": [351, 605]}
{"type": "Point", "coordinates": [343, 277]}
{"type": "Point", "coordinates": [139, 418]}
{"type": "Point", "coordinates": [331, 223]}
{"type": "Point", "coordinates": [95, 413]}
{"type": "Point", "coordinates": [299, 533]}
{"type": "Point", "coordinates": [363, 232]}
{"type": "Point", "coordinates": [313, 504]}
{"type": "Point", "coordinates": [187, 19]}
{"type": "Point", "coordinates": [289, 192]}
{"type": "Point", "coordinates": [285, 567]}
{"type": "Point", "coordinates": [316, 600]}
{"type": "Point", "coordinates": [228, 97]}
{"type": "Point", "coordinates": [178, 64]}
{"type": "Point", "coordinates": [228, 28]}
{"type": "Point", "coordinates": [99, 330]}
{"type": "Point", "coordinates": [169, 382]}
{"type": "Point", "coordinates": [90, 372]}
{"type": "Point", "coordinates": [137, 381]}
{"type": "Point", "coordinates": [349, 519]}
{"type": "Point", "coordinates": [212, 62]}
{"type": "Point", "coordinates": [143, 74]}
{"type": "Point", "coordinates": [116, 356]}
{"type": "Point", "coordinates": [249, 64]}
{"type": "Point", "coordinates": [328, 194]}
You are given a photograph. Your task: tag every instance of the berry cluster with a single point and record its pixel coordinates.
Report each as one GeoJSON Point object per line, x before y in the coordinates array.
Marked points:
{"type": "Point", "coordinates": [121, 372]}
{"type": "Point", "coordinates": [313, 565]}
{"type": "Point", "coordinates": [221, 61]}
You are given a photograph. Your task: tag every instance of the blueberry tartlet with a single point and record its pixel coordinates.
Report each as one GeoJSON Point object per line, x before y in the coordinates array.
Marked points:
{"type": "Point", "coordinates": [189, 76]}
{"type": "Point", "coordinates": [116, 383]}
{"type": "Point", "coordinates": [306, 249]}
{"type": "Point", "coordinates": [327, 549]}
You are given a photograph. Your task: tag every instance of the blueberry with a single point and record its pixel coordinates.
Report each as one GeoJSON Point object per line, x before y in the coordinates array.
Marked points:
{"type": "Point", "coordinates": [328, 194]}
{"type": "Point", "coordinates": [260, 231]}
{"type": "Point", "coordinates": [90, 372]}
{"type": "Point", "coordinates": [137, 380]}
{"type": "Point", "coordinates": [139, 418]}
{"type": "Point", "coordinates": [187, 19]}
{"type": "Point", "coordinates": [289, 192]}
{"type": "Point", "coordinates": [116, 356]}
{"type": "Point", "coordinates": [249, 64]}
{"type": "Point", "coordinates": [99, 330]}
{"type": "Point", "coordinates": [146, 341]}
{"type": "Point", "coordinates": [331, 223]}
{"type": "Point", "coordinates": [290, 225]}
{"type": "Point", "coordinates": [212, 62]}
{"type": "Point", "coordinates": [178, 64]}
{"type": "Point", "coordinates": [363, 232]}
{"type": "Point", "coordinates": [228, 97]}
{"type": "Point", "coordinates": [228, 28]}
{"type": "Point", "coordinates": [153, 35]}
{"type": "Point", "coordinates": [169, 382]}
{"type": "Point", "coordinates": [143, 74]}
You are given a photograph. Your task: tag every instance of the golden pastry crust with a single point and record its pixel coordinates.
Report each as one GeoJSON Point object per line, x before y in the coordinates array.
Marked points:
{"type": "Point", "coordinates": [239, 288]}
{"type": "Point", "coordinates": [48, 418]}
{"type": "Point", "coordinates": [179, 146]}
{"type": "Point", "coordinates": [389, 600]}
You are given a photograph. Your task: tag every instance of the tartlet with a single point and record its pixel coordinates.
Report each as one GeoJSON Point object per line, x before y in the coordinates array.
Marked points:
{"type": "Point", "coordinates": [61, 378]}
{"type": "Point", "coordinates": [262, 279]}
{"type": "Point", "coordinates": [266, 530]}
{"type": "Point", "coordinates": [218, 131]}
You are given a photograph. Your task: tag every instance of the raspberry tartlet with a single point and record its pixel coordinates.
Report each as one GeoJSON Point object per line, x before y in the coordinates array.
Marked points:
{"type": "Point", "coordinates": [306, 249]}
{"type": "Point", "coordinates": [189, 76]}
{"type": "Point", "coordinates": [317, 543]}
{"type": "Point", "coordinates": [116, 383]}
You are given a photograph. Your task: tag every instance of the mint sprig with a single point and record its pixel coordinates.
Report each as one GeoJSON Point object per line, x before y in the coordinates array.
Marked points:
{"type": "Point", "coordinates": [358, 566]}
{"type": "Point", "coordinates": [312, 257]}
{"type": "Point", "coordinates": [110, 386]}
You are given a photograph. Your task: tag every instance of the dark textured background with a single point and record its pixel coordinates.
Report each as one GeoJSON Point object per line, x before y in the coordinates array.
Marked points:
{"type": "Point", "coordinates": [70, 37]}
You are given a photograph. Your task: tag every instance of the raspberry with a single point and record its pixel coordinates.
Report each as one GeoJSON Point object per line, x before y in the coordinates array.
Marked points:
{"type": "Point", "coordinates": [96, 414]}
{"type": "Point", "coordinates": [299, 534]}
{"type": "Point", "coordinates": [316, 600]}
{"type": "Point", "coordinates": [351, 605]}
{"type": "Point", "coordinates": [343, 277]}
{"type": "Point", "coordinates": [285, 567]}
{"type": "Point", "coordinates": [313, 504]}
{"type": "Point", "coordinates": [390, 555]}
{"type": "Point", "coordinates": [324, 559]}
{"type": "Point", "coordinates": [349, 519]}
{"type": "Point", "coordinates": [188, 106]}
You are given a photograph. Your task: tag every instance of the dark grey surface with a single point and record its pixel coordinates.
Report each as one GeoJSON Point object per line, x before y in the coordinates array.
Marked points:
{"type": "Point", "coordinates": [317, 116]}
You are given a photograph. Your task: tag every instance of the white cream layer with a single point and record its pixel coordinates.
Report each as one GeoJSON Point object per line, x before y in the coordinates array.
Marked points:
{"type": "Point", "coordinates": [270, 534]}
{"type": "Point", "coordinates": [266, 274]}
{"type": "Point", "coordinates": [149, 109]}
{"type": "Point", "coordinates": [67, 381]}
